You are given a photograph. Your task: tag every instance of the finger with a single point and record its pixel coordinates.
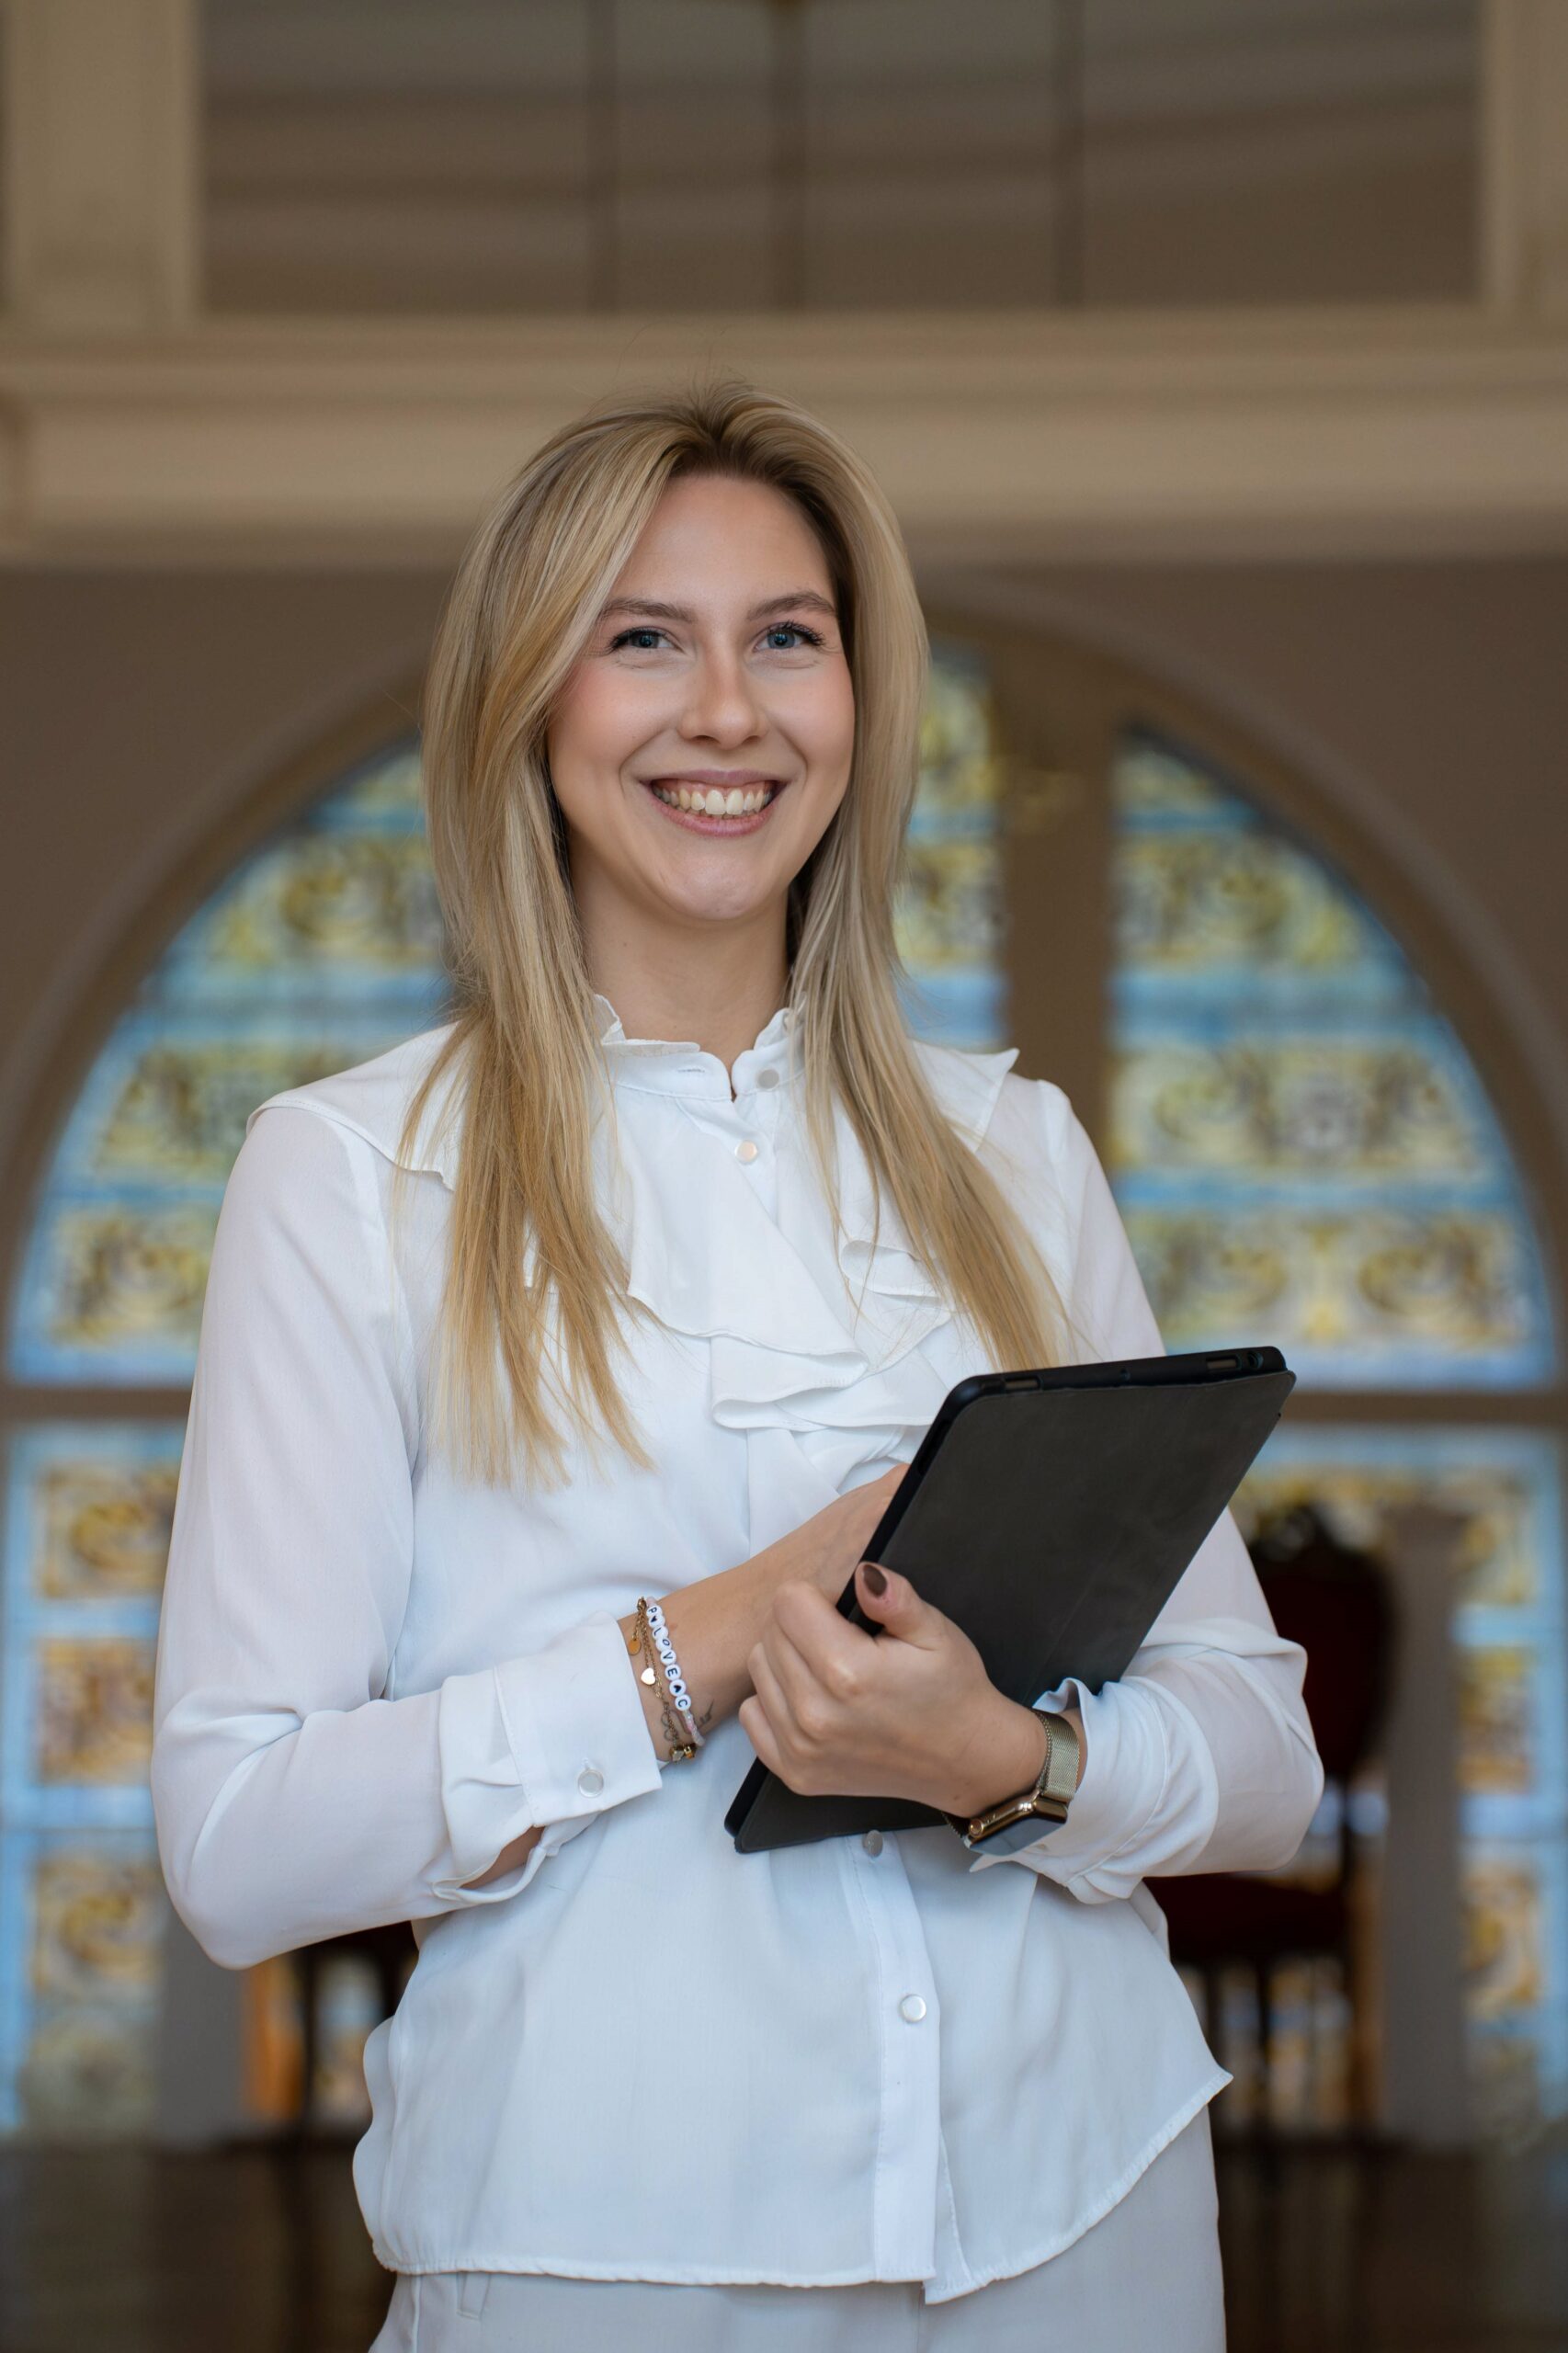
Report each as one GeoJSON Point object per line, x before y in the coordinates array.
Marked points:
{"type": "Point", "coordinates": [771, 1690]}
{"type": "Point", "coordinates": [833, 1653]}
{"type": "Point", "coordinates": [802, 1691]}
{"type": "Point", "coordinates": [759, 1732]}
{"type": "Point", "coordinates": [896, 1606]}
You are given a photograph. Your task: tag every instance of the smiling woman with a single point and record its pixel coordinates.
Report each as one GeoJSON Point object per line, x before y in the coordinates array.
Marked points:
{"type": "Point", "coordinates": [555, 1370]}
{"type": "Point", "coordinates": [718, 714]}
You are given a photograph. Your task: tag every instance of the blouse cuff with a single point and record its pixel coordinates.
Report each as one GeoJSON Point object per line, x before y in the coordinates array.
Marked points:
{"type": "Point", "coordinates": [1126, 1766]}
{"type": "Point", "coordinates": [552, 1738]}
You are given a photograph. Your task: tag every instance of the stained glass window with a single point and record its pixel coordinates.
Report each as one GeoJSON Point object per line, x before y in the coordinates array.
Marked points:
{"type": "Point", "coordinates": [1300, 1148]}
{"type": "Point", "coordinates": [322, 948]}
{"type": "Point", "coordinates": [1299, 1142]}
{"type": "Point", "coordinates": [949, 911]}
{"type": "Point", "coordinates": [1304, 1155]}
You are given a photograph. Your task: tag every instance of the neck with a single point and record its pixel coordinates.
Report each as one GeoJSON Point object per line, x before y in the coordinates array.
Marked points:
{"type": "Point", "coordinates": [717, 990]}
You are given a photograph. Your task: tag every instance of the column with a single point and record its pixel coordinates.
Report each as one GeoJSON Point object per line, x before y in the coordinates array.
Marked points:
{"type": "Point", "coordinates": [102, 102]}
{"type": "Point", "coordinates": [1524, 168]}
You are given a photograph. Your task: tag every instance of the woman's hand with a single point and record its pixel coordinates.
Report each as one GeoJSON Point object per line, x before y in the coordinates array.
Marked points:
{"type": "Point", "coordinates": [908, 1713]}
{"type": "Point", "coordinates": [823, 1550]}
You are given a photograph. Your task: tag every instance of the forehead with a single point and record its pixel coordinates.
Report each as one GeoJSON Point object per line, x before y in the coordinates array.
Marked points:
{"type": "Point", "coordinates": [711, 539]}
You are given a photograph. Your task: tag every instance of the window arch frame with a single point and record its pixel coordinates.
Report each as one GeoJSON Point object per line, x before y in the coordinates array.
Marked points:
{"type": "Point", "coordinates": [1062, 703]}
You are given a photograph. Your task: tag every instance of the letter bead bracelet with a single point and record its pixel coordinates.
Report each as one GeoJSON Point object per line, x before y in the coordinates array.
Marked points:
{"type": "Point", "coordinates": [652, 1634]}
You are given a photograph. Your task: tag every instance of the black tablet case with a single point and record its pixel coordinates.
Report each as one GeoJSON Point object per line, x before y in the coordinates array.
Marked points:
{"type": "Point", "coordinates": [1051, 1515]}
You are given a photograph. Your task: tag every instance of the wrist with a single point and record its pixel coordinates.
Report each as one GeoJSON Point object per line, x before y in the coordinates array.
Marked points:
{"type": "Point", "coordinates": [1006, 1757]}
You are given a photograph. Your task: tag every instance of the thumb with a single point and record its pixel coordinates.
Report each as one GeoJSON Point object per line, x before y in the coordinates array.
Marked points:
{"type": "Point", "coordinates": [892, 1602]}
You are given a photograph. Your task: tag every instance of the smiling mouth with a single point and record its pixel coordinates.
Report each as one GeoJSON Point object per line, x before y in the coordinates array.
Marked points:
{"type": "Point", "coordinates": [711, 801]}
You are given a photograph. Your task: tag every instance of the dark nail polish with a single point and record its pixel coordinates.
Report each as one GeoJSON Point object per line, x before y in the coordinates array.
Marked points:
{"type": "Point", "coordinates": [873, 1577]}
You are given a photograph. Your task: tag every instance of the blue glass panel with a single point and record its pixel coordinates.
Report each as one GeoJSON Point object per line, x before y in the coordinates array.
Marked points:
{"type": "Point", "coordinates": [1301, 1146]}
{"type": "Point", "coordinates": [949, 915]}
{"type": "Point", "coordinates": [88, 1508]}
{"type": "Point", "coordinates": [323, 948]}
{"type": "Point", "coordinates": [83, 1919]}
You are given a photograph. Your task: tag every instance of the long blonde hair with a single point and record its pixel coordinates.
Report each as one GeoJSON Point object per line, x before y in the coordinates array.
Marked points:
{"type": "Point", "coordinates": [524, 602]}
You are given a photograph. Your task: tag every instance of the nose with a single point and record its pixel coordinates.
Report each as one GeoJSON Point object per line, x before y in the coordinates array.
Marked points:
{"type": "Point", "coordinates": [721, 706]}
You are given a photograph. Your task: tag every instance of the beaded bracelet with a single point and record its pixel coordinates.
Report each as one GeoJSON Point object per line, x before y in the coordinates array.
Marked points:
{"type": "Point", "coordinates": [675, 1682]}
{"type": "Point", "coordinates": [652, 1626]}
{"type": "Point", "coordinates": [642, 1638]}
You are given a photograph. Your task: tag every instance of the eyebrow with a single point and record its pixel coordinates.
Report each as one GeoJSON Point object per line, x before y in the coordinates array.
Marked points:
{"type": "Point", "coordinates": [792, 599]}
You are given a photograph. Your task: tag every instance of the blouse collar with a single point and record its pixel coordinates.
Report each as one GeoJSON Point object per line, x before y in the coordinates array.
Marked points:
{"type": "Point", "coordinates": [680, 1066]}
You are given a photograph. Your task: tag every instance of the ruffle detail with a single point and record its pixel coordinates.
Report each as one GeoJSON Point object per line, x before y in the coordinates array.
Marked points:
{"type": "Point", "coordinates": [816, 1352]}
{"type": "Point", "coordinates": [816, 1341]}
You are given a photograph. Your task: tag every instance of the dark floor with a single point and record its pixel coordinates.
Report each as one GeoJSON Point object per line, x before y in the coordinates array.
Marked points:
{"type": "Point", "coordinates": [123, 2253]}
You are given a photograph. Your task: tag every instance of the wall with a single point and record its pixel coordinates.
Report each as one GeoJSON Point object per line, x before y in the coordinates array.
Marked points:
{"type": "Point", "coordinates": [139, 711]}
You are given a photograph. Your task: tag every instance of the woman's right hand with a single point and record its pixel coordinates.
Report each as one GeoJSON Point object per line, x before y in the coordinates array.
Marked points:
{"type": "Point", "coordinates": [716, 1622]}
{"type": "Point", "coordinates": [826, 1550]}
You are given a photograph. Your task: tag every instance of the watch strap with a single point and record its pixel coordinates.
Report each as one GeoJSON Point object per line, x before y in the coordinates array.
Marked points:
{"type": "Point", "coordinates": [1018, 1821]}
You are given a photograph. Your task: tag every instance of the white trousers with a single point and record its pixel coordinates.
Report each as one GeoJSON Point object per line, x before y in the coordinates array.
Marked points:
{"type": "Point", "coordinates": [1147, 2273]}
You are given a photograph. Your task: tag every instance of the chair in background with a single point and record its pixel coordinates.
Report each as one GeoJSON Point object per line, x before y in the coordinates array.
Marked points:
{"type": "Point", "coordinates": [1335, 1601]}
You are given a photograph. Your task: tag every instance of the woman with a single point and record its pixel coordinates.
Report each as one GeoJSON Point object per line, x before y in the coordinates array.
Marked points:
{"type": "Point", "coordinates": [630, 1290]}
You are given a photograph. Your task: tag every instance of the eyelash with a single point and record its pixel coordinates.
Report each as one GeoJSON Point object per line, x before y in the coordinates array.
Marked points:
{"type": "Point", "coordinates": [651, 629]}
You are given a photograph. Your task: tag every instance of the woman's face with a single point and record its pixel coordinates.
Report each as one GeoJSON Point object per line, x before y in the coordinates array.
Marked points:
{"type": "Point", "coordinates": [715, 668]}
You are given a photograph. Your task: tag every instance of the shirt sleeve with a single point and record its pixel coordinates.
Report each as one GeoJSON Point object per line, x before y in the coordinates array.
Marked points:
{"type": "Point", "coordinates": [1202, 1757]}
{"type": "Point", "coordinates": [293, 1799]}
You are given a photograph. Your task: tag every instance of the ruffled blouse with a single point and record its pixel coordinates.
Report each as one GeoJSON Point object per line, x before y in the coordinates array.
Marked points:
{"type": "Point", "coordinates": [640, 2054]}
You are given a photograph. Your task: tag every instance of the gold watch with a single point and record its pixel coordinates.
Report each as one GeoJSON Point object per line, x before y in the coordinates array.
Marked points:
{"type": "Point", "coordinates": [1017, 1822]}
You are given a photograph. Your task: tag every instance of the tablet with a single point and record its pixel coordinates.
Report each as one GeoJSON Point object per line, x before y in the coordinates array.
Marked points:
{"type": "Point", "coordinates": [1051, 1515]}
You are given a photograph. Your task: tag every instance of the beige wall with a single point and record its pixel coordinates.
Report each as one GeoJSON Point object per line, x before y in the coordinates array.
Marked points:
{"type": "Point", "coordinates": [1426, 706]}
{"type": "Point", "coordinates": [139, 711]}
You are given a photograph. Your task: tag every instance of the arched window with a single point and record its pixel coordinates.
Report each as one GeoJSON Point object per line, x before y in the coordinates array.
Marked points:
{"type": "Point", "coordinates": [1301, 1147]}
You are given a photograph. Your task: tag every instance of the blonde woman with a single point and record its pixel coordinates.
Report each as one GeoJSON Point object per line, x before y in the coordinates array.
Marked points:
{"type": "Point", "coordinates": [555, 1369]}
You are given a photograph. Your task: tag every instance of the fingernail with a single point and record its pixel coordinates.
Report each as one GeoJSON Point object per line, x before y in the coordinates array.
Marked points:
{"type": "Point", "coordinates": [873, 1577]}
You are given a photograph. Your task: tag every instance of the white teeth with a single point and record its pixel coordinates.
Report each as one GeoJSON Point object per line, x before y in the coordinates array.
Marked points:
{"type": "Point", "coordinates": [711, 802]}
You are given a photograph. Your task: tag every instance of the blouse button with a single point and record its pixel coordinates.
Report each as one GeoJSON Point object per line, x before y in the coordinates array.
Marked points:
{"type": "Point", "coordinates": [872, 1842]}
{"type": "Point", "coordinates": [747, 1150]}
{"type": "Point", "coordinates": [590, 1780]}
{"type": "Point", "coordinates": [768, 1077]}
{"type": "Point", "coordinates": [912, 2008]}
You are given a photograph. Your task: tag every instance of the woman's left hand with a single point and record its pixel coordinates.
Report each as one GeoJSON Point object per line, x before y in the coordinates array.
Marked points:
{"type": "Point", "coordinates": [908, 1713]}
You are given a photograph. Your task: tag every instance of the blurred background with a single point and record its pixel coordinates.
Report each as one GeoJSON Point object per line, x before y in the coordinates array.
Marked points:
{"type": "Point", "coordinates": [1216, 359]}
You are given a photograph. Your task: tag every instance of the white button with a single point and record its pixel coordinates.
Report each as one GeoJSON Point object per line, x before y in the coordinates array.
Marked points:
{"type": "Point", "coordinates": [747, 1151]}
{"type": "Point", "coordinates": [590, 1780]}
{"type": "Point", "coordinates": [912, 2008]}
{"type": "Point", "coordinates": [768, 1077]}
{"type": "Point", "coordinates": [872, 1842]}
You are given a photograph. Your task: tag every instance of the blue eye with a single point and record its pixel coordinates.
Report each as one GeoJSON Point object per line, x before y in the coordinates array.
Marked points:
{"type": "Point", "coordinates": [644, 629]}
{"type": "Point", "coordinates": [792, 628]}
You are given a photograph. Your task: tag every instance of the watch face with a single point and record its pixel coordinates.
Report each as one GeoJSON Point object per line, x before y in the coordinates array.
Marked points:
{"type": "Point", "coordinates": [1020, 1830]}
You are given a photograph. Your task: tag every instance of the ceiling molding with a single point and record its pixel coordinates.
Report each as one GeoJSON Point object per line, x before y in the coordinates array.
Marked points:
{"type": "Point", "coordinates": [1424, 429]}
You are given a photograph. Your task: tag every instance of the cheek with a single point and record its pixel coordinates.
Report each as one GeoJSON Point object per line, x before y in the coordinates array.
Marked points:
{"type": "Point", "coordinates": [599, 721]}
{"type": "Point", "coordinates": [828, 724]}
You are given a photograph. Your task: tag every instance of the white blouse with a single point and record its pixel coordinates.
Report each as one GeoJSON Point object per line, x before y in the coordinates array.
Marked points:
{"type": "Point", "coordinates": [639, 2054]}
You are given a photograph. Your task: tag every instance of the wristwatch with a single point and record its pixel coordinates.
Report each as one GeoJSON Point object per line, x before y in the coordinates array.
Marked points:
{"type": "Point", "coordinates": [1017, 1822]}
